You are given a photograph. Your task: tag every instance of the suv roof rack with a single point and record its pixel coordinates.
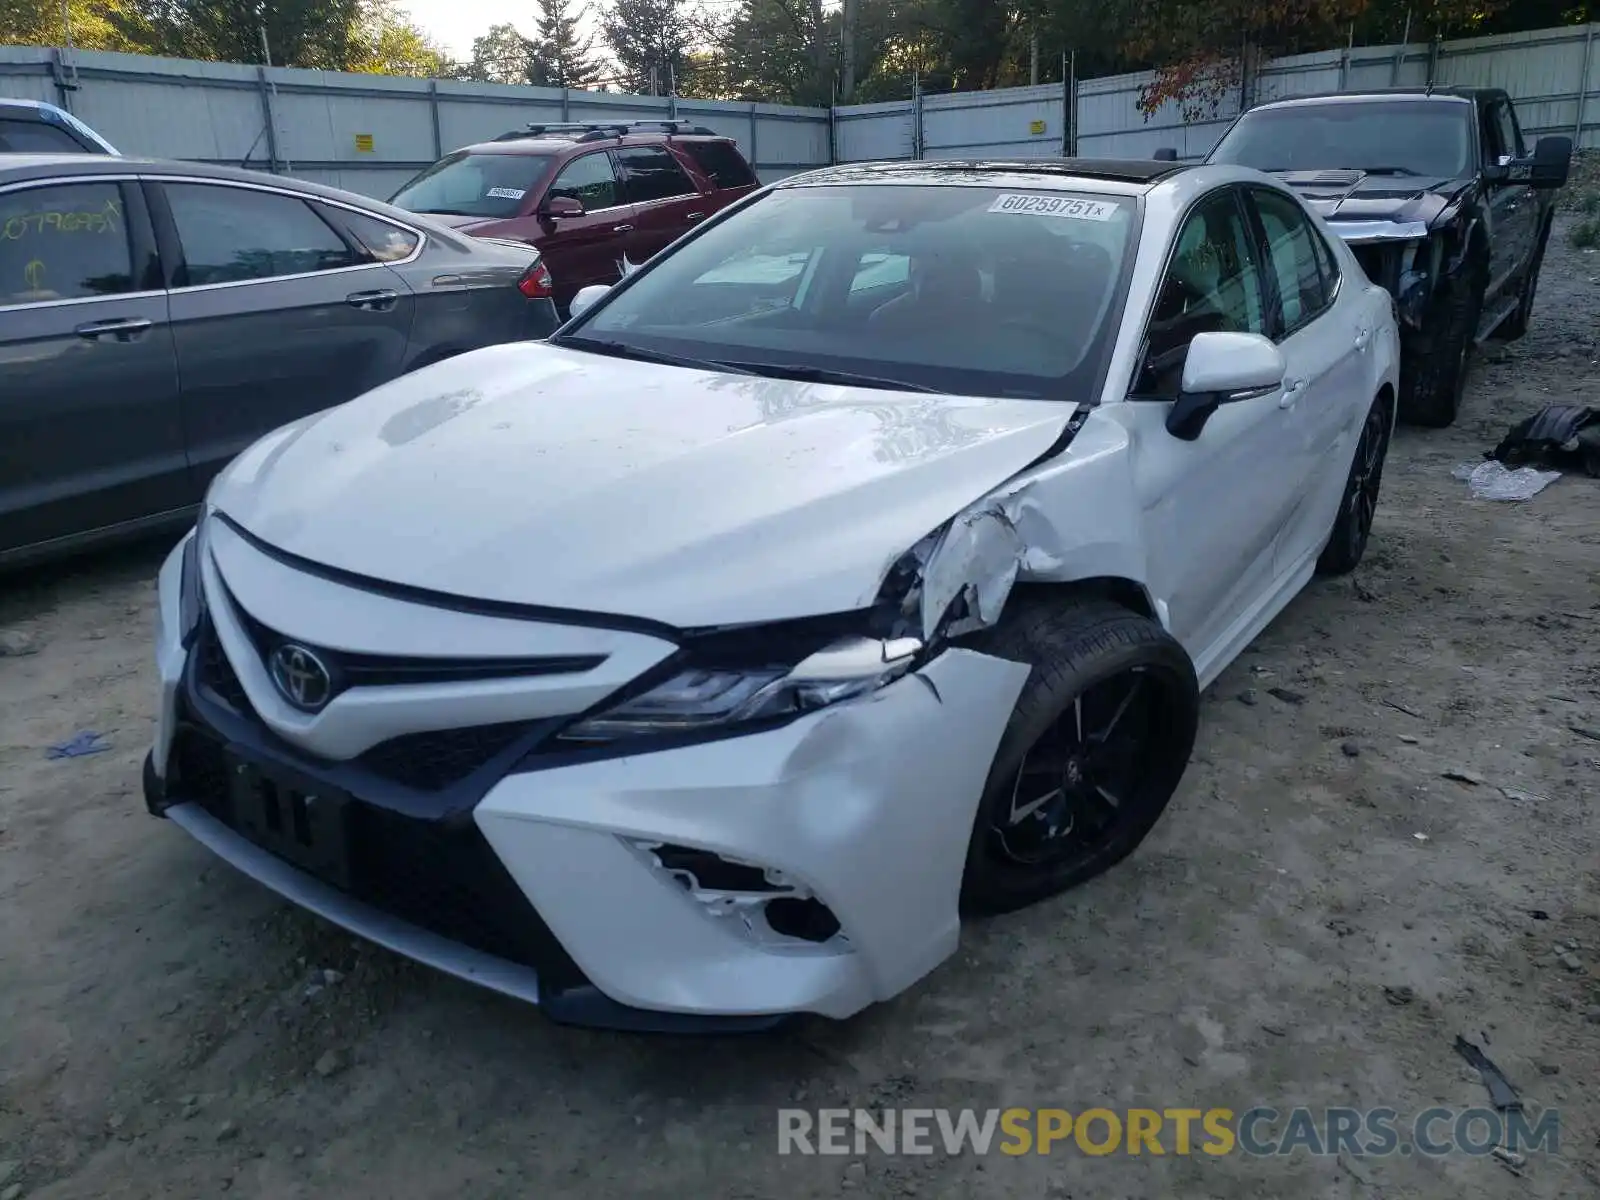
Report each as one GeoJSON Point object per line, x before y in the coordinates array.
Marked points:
{"type": "Point", "coordinates": [585, 131]}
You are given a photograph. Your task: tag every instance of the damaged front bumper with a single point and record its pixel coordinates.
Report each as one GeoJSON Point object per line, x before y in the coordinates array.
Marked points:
{"type": "Point", "coordinates": [809, 867]}
{"type": "Point", "coordinates": [1398, 256]}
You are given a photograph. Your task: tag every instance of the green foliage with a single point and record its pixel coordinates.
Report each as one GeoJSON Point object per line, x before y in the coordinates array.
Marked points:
{"type": "Point", "coordinates": [1585, 234]}
{"type": "Point", "coordinates": [561, 53]}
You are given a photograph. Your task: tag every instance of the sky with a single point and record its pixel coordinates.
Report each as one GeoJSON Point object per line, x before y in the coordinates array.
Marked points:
{"type": "Point", "coordinates": [454, 23]}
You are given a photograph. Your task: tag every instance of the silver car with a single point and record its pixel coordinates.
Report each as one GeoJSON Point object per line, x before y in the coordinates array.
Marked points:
{"type": "Point", "coordinates": [157, 317]}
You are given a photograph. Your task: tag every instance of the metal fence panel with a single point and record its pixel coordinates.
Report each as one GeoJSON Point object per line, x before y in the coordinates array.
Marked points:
{"type": "Point", "coordinates": [1016, 123]}
{"type": "Point", "coordinates": [867, 132]}
{"type": "Point", "coordinates": [365, 133]}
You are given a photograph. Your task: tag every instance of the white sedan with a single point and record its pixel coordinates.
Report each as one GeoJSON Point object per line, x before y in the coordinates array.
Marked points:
{"type": "Point", "coordinates": [855, 564]}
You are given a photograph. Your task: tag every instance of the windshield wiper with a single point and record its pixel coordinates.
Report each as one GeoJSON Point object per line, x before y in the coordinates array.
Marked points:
{"type": "Point", "coordinates": [823, 375]}
{"type": "Point", "coordinates": [624, 350]}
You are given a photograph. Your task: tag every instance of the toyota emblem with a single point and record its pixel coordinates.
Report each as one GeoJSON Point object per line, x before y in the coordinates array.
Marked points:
{"type": "Point", "coordinates": [301, 677]}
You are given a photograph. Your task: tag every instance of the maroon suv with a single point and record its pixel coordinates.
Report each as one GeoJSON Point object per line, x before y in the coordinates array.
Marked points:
{"type": "Point", "coordinates": [588, 196]}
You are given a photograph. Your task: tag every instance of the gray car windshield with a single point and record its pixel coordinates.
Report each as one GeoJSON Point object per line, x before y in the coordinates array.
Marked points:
{"type": "Point", "coordinates": [474, 185]}
{"type": "Point", "coordinates": [961, 289]}
{"type": "Point", "coordinates": [1400, 137]}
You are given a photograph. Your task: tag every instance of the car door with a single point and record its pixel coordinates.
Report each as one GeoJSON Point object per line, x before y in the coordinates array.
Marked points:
{"type": "Point", "coordinates": [1212, 507]}
{"type": "Point", "coordinates": [1515, 205]}
{"type": "Point", "coordinates": [666, 201]}
{"type": "Point", "coordinates": [275, 313]}
{"type": "Point", "coordinates": [585, 250]}
{"type": "Point", "coordinates": [1325, 344]}
{"type": "Point", "coordinates": [90, 434]}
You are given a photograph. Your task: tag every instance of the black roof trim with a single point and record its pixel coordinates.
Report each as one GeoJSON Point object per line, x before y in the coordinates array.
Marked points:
{"type": "Point", "coordinates": [1122, 170]}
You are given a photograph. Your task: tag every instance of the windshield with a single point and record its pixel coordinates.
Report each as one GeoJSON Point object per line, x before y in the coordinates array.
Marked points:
{"type": "Point", "coordinates": [464, 184]}
{"type": "Point", "coordinates": [1420, 137]}
{"type": "Point", "coordinates": [967, 290]}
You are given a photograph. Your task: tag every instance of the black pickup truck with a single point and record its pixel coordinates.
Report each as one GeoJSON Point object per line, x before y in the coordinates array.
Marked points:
{"type": "Point", "coordinates": [1438, 195]}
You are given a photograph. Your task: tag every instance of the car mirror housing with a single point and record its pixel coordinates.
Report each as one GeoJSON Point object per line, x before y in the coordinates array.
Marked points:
{"type": "Point", "coordinates": [587, 298]}
{"type": "Point", "coordinates": [1548, 166]}
{"type": "Point", "coordinates": [1223, 368]}
{"type": "Point", "coordinates": [561, 206]}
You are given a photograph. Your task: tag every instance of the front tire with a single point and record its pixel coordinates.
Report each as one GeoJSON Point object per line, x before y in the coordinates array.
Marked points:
{"type": "Point", "coordinates": [1096, 746]}
{"type": "Point", "coordinates": [1435, 361]}
{"type": "Point", "coordinates": [1358, 504]}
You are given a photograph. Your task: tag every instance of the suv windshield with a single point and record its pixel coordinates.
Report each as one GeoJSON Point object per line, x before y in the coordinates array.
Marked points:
{"type": "Point", "coordinates": [967, 290]}
{"type": "Point", "coordinates": [464, 184]}
{"type": "Point", "coordinates": [1420, 137]}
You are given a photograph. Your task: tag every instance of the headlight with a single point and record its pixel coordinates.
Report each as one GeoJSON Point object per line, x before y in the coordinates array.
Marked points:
{"type": "Point", "coordinates": [697, 700]}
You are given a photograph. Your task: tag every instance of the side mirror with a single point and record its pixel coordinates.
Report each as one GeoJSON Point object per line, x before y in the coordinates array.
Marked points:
{"type": "Point", "coordinates": [1223, 368]}
{"type": "Point", "coordinates": [1550, 164]}
{"type": "Point", "coordinates": [561, 206]}
{"type": "Point", "coordinates": [586, 299]}
{"type": "Point", "coordinates": [1166, 154]}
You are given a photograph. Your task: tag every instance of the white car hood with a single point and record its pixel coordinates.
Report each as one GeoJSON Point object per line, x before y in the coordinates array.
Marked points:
{"type": "Point", "coordinates": [535, 475]}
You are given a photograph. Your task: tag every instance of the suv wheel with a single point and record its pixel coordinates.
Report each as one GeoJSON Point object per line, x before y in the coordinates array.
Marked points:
{"type": "Point", "coordinates": [1434, 361]}
{"type": "Point", "coordinates": [1516, 325]}
{"type": "Point", "coordinates": [1096, 745]}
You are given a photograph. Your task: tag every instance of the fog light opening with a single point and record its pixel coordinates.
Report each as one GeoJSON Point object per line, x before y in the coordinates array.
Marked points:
{"type": "Point", "coordinates": [763, 903]}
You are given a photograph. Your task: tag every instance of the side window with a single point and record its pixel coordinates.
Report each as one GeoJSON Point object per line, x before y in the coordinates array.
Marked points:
{"type": "Point", "coordinates": [36, 137]}
{"type": "Point", "coordinates": [1212, 285]}
{"type": "Point", "coordinates": [722, 163]}
{"type": "Point", "coordinates": [1510, 135]}
{"type": "Point", "coordinates": [385, 242]}
{"type": "Point", "coordinates": [1327, 263]}
{"type": "Point", "coordinates": [1302, 288]}
{"type": "Point", "coordinates": [1489, 136]}
{"type": "Point", "coordinates": [651, 173]}
{"type": "Point", "coordinates": [66, 242]}
{"type": "Point", "coordinates": [233, 234]}
{"type": "Point", "coordinates": [589, 180]}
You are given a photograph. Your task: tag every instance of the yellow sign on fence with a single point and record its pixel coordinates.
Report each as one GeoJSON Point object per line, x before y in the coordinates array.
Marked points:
{"type": "Point", "coordinates": [363, 143]}
{"type": "Point", "coordinates": [1035, 126]}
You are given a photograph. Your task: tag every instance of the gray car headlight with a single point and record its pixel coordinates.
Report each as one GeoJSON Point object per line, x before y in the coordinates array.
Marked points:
{"type": "Point", "coordinates": [701, 699]}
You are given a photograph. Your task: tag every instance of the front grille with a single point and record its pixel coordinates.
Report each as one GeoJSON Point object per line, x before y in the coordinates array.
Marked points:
{"type": "Point", "coordinates": [430, 761]}
{"type": "Point", "coordinates": [436, 759]}
{"type": "Point", "coordinates": [216, 673]}
{"type": "Point", "coordinates": [437, 873]}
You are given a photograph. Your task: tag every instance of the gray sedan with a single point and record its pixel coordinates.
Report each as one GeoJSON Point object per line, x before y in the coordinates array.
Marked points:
{"type": "Point", "coordinates": [157, 317]}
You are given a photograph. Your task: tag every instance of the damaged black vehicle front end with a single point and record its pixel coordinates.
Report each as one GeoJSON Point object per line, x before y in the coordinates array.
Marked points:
{"type": "Point", "coordinates": [1434, 192]}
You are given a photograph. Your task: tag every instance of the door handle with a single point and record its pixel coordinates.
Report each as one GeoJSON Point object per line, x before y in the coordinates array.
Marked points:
{"type": "Point", "coordinates": [124, 329]}
{"type": "Point", "coordinates": [1363, 339]}
{"type": "Point", "coordinates": [621, 228]}
{"type": "Point", "coordinates": [381, 300]}
{"type": "Point", "coordinates": [1291, 392]}
{"type": "Point", "coordinates": [695, 216]}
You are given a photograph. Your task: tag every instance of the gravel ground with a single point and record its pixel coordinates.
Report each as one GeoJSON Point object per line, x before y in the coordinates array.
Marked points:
{"type": "Point", "coordinates": [1348, 878]}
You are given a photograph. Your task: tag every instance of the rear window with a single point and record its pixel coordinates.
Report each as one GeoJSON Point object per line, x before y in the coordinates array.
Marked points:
{"type": "Point", "coordinates": [465, 184]}
{"type": "Point", "coordinates": [722, 163]}
{"type": "Point", "coordinates": [36, 137]}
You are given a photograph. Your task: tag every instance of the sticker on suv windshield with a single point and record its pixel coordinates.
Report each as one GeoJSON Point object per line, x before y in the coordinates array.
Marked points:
{"type": "Point", "coordinates": [505, 193]}
{"type": "Point", "coordinates": [1054, 206]}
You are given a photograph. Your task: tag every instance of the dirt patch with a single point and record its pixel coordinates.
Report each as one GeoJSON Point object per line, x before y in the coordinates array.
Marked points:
{"type": "Point", "coordinates": [1343, 885]}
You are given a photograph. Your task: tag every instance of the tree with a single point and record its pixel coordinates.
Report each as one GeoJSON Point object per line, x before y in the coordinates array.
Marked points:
{"type": "Point", "coordinates": [87, 24]}
{"type": "Point", "coordinates": [651, 40]}
{"type": "Point", "coordinates": [1199, 47]}
{"type": "Point", "coordinates": [390, 44]}
{"type": "Point", "coordinates": [501, 55]}
{"type": "Point", "coordinates": [562, 55]}
{"type": "Point", "coordinates": [298, 33]}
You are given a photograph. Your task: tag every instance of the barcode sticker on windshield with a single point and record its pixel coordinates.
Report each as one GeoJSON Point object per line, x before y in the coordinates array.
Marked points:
{"type": "Point", "coordinates": [1054, 206]}
{"type": "Point", "coordinates": [506, 193]}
